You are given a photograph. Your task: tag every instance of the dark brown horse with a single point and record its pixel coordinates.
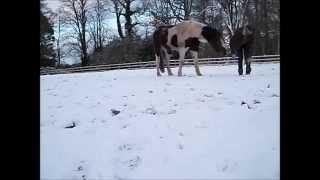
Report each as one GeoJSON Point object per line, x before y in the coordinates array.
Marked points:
{"type": "Point", "coordinates": [183, 37]}
{"type": "Point", "coordinates": [241, 44]}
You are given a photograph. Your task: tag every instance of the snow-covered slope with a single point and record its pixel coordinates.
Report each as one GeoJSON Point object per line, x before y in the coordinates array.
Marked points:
{"type": "Point", "coordinates": [219, 125]}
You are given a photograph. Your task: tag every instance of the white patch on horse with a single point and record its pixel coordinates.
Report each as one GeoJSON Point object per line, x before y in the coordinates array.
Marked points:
{"type": "Point", "coordinates": [201, 39]}
{"type": "Point", "coordinates": [157, 64]}
{"type": "Point", "coordinates": [196, 64]}
{"type": "Point", "coordinates": [182, 52]}
{"type": "Point", "coordinates": [184, 31]}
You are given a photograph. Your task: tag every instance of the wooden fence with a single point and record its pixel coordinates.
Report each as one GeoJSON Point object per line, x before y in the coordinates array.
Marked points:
{"type": "Point", "coordinates": [151, 64]}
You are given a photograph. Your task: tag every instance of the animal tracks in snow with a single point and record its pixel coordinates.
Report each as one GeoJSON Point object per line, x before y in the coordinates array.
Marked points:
{"type": "Point", "coordinates": [128, 156]}
{"type": "Point", "coordinates": [126, 147]}
{"type": "Point", "coordinates": [226, 165]}
{"type": "Point", "coordinates": [81, 170]}
{"type": "Point", "coordinates": [180, 146]}
{"type": "Point", "coordinates": [173, 111]}
{"type": "Point", "coordinates": [150, 110]}
{"type": "Point", "coordinates": [134, 162]}
{"type": "Point", "coordinates": [252, 105]}
{"type": "Point", "coordinates": [208, 95]}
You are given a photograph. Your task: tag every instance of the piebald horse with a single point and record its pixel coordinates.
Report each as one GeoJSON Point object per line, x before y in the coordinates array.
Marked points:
{"type": "Point", "coordinates": [183, 37]}
{"type": "Point", "coordinates": [241, 44]}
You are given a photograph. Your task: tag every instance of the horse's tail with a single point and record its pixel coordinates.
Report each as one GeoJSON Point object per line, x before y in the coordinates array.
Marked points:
{"type": "Point", "coordinates": [157, 48]}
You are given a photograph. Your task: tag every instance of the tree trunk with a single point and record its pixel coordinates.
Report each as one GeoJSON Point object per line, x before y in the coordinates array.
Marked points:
{"type": "Point", "coordinates": [187, 8]}
{"type": "Point", "coordinates": [128, 25]}
{"type": "Point", "coordinates": [119, 26]}
{"type": "Point", "coordinates": [203, 5]}
{"type": "Point", "coordinates": [84, 45]}
{"type": "Point", "coordinates": [58, 43]}
{"type": "Point", "coordinates": [118, 15]}
{"type": "Point", "coordinates": [266, 29]}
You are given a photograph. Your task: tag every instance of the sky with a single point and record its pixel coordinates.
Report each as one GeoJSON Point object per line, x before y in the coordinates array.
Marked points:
{"type": "Point", "coordinates": [110, 21]}
{"type": "Point", "coordinates": [53, 4]}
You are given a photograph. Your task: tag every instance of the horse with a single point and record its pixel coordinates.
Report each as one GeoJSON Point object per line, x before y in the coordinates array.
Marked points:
{"type": "Point", "coordinates": [182, 38]}
{"type": "Point", "coordinates": [241, 45]}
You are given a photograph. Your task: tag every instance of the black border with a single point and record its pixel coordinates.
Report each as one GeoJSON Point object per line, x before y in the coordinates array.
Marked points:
{"type": "Point", "coordinates": [298, 88]}
{"type": "Point", "coordinates": [20, 80]}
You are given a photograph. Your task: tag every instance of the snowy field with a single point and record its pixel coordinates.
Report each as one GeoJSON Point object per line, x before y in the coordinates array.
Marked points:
{"type": "Point", "coordinates": [217, 126]}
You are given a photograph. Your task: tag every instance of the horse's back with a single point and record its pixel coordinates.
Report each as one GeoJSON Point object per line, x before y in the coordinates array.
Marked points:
{"type": "Point", "coordinates": [164, 35]}
{"type": "Point", "coordinates": [186, 29]}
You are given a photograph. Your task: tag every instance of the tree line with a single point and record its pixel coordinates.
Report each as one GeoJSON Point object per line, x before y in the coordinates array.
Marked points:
{"type": "Point", "coordinates": [80, 28]}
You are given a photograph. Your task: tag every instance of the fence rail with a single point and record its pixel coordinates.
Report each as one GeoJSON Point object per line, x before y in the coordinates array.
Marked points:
{"type": "Point", "coordinates": [151, 64]}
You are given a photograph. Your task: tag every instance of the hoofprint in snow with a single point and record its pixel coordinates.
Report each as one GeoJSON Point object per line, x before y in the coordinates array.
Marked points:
{"type": "Point", "coordinates": [131, 124]}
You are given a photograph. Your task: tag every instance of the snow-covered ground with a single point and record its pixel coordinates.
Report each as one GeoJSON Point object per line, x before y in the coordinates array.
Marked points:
{"type": "Point", "coordinates": [216, 126]}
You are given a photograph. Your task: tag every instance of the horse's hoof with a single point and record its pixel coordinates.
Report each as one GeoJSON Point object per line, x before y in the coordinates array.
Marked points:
{"type": "Point", "coordinates": [170, 74]}
{"type": "Point", "coordinates": [199, 74]}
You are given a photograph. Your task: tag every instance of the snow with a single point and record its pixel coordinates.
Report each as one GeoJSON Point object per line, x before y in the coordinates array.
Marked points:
{"type": "Point", "coordinates": [216, 126]}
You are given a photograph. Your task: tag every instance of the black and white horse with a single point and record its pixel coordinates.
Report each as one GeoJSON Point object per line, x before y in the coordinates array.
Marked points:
{"type": "Point", "coordinates": [183, 37]}
{"type": "Point", "coordinates": [241, 44]}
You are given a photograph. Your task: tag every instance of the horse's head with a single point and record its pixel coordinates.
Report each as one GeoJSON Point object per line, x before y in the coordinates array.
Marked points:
{"type": "Point", "coordinates": [215, 39]}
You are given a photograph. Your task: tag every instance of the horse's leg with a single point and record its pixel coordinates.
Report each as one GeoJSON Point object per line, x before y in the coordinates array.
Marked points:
{"type": "Point", "coordinates": [182, 53]}
{"type": "Point", "coordinates": [167, 60]}
{"type": "Point", "coordinates": [157, 65]}
{"type": "Point", "coordinates": [240, 56]}
{"type": "Point", "coordinates": [196, 65]}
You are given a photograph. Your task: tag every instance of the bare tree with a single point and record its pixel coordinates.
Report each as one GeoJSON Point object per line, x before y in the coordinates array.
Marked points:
{"type": "Point", "coordinates": [176, 9]}
{"type": "Point", "coordinates": [235, 13]}
{"type": "Point", "coordinates": [96, 24]}
{"type": "Point", "coordinates": [170, 11]}
{"type": "Point", "coordinates": [202, 10]}
{"type": "Point", "coordinates": [187, 7]}
{"type": "Point", "coordinates": [126, 9]}
{"type": "Point", "coordinates": [160, 11]}
{"type": "Point", "coordinates": [128, 13]}
{"type": "Point", "coordinates": [76, 14]}
{"type": "Point", "coordinates": [58, 42]}
{"type": "Point", "coordinates": [60, 23]}
{"type": "Point", "coordinates": [118, 11]}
